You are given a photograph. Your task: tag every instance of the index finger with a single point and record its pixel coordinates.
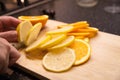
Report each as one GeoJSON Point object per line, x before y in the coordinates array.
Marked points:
{"type": "Point", "coordinates": [9, 23]}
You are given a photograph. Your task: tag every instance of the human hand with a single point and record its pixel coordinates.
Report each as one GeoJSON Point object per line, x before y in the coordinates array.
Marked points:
{"type": "Point", "coordinates": [10, 36]}
{"type": "Point", "coordinates": [8, 23]}
{"type": "Point", "coordinates": [8, 55]}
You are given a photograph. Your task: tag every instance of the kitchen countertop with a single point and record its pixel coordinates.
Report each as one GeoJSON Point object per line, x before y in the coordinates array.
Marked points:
{"type": "Point", "coordinates": [68, 11]}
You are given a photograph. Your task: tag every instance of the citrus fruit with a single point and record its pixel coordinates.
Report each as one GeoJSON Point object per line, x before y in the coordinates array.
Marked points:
{"type": "Point", "coordinates": [59, 60]}
{"type": "Point", "coordinates": [76, 25]}
{"type": "Point", "coordinates": [92, 31]}
{"type": "Point", "coordinates": [80, 24]}
{"type": "Point", "coordinates": [88, 29]}
{"type": "Point", "coordinates": [37, 43]}
{"type": "Point", "coordinates": [64, 43]}
{"type": "Point", "coordinates": [35, 19]}
{"type": "Point", "coordinates": [82, 51]}
{"type": "Point", "coordinates": [33, 34]}
{"type": "Point", "coordinates": [61, 30]}
{"type": "Point", "coordinates": [22, 30]}
{"type": "Point", "coordinates": [79, 34]}
{"type": "Point", "coordinates": [79, 37]}
{"type": "Point", "coordinates": [54, 41]}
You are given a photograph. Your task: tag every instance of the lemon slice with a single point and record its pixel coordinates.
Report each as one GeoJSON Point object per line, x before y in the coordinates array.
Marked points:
{"type": "Point", "coordinates": [22, 30]}
{"type": "Point", "coordinates": [61, 30]}
{"type": "Point", "coordinates": [64, 43]}
{"type": "Point", "coordinates": [37, 43]}
{"type": "Point", "coordinates": [33, 34]}
{"type": "Point", "coordinates": [59, 60]}
{"type": "Point", "coordinates": [82, 51]}
{"type": "Point", "coordinates": [53, 41]}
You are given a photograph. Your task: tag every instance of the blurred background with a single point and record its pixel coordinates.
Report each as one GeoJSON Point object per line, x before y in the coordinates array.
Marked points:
{"type": "Point", "coordinates": [67, 11]}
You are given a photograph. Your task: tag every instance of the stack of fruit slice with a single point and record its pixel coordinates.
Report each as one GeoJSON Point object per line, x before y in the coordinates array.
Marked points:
{"type": "Point", "coordinates": [27, 33]}
{"type": "Point", "coordinates": [66, 46]}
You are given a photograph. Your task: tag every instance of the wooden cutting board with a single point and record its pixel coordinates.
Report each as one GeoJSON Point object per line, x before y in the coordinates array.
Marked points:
{"type": "Point", "coordinates": [104, 63]}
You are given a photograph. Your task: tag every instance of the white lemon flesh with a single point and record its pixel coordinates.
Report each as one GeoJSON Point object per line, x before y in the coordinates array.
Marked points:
{"type": "Point", "coordinates": [33, 34]}
{"type": "Point", "coordinates": [23, 29]}
{"type": "Point", "coordinates": [61, 30]}
{"type": "Point", "coordinates": [59, 60]}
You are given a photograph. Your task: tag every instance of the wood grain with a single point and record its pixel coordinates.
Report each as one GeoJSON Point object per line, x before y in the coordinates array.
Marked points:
{"type": "Point", "coordinates": [104, 63]}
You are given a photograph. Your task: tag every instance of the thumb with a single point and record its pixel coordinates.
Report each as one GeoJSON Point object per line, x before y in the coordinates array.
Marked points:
{"type": "Point", "coordinates": [10, 36]}
{"type": "Point", "coordinates": [14, 55]}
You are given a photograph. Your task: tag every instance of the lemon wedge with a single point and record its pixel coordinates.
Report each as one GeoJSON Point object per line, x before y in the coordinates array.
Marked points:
{"type": "Point", "coordinates": [33, 34]}
{"type": "Point", "coordinates": [64, 43]}
{"type": "Point", "coordinates": [54, 41]}
{"type": "Point", "coordinates": [61, 30]}
{"type": "Point", "coordinates": [59, 60]}
{"type": "Point", "coordinates": [22, 30]}
{"type": "Point", "coordinates": [37, 43]}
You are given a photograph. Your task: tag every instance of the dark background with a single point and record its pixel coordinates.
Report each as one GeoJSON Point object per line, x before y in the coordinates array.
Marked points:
{"type": "Point", "coordinates": [68, 11]}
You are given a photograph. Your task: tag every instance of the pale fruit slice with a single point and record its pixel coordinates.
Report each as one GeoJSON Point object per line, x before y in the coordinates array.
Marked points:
{"type": "Point", "coordinates": [53, 42]}
{"type": "Point", "coordinates": [22, 30]}
{"type": "Point", "coordinates": [61, 30]}
{"type": "Point", "coordinates": [80, 24]}
{"type": "Point", "coordinates": [37, 43]}
{"type": "Point", "coordinates": [33, 34]}
{"type": "Point", "coordinates": [82, 50]}
{"type": "Point", "coordinates": [59, 60]}
{"type": "Point", "coordinates": [64, 43]}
